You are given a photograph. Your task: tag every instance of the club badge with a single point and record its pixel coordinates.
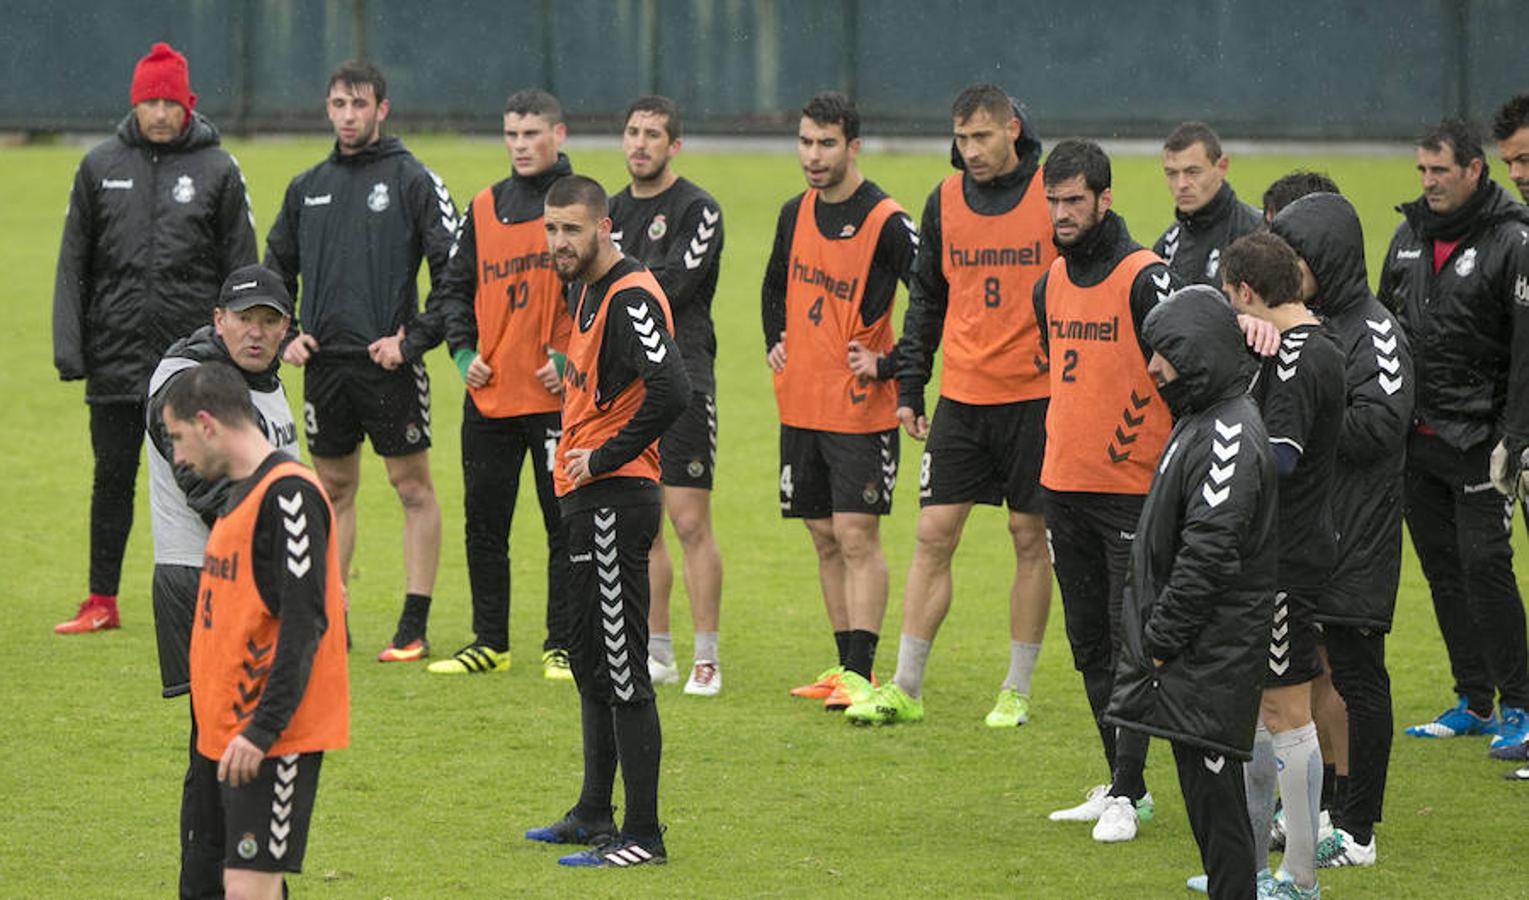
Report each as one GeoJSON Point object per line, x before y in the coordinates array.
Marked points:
{"type": "Point", "coordinates": [248, 847]}
{"type": "Point", "coordinates": [184, 190]}
{"type": "Point", "coordinates": [658, 227]}
{"type": "Point", "coordinates": [695, 469]}
{"type": "Point", "coordinates": [1466, 264]}
{"type": "Point", "coordinates": [378, 199]}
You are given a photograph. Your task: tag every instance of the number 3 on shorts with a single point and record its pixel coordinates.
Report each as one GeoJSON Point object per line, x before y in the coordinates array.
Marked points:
{"type": "Point", "coordinates": [310, 419]}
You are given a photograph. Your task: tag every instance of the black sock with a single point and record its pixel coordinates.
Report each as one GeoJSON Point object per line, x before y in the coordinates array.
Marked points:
{"type": "Point", "coordinates": [640, 743]}
{"type": "Point", "coordinates": [862, 652]}
{"type": "Point", "coordinates": [1329, 784]}
{"type": "Point", "coordinates": [841, 638]}
{"type": "Point", "coordinates": [1340, 791]}
{"type": "Point", "coordinates": [599, 761]}
{"type": "Point", "coordinates": [411, 623]}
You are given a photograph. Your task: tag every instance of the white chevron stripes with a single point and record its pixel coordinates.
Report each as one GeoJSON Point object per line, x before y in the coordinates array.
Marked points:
{"type": "Point", "coordinates": [1215, 763]}
{"type": "Point", "coordinates": [1289, 354]}
{"type": "Point", "coordinates": [888, 468]}
{"type": "Point", "coordinates": [1279, 638]}
{"type": "Point", "coordinates": [1218, 481]}
{"type": "Point", "coordinates": [1390, 377]}
{"type": "Point", "coordinates": [695, 254]}
{"type": "Point", "coordinates": [295, 521]}
{"type": "Point", "coordinates": [281, 807]}
{"type": "Point", "coordinates": [647, 332]}
{"type": "Point", "coordinates": [422, 394]}
{"type": "Point", "coordinates": [1161, 282]}
{"type": "Point", "coordinates": [443, 201]}
{"type": "Point", "coordinates": [1171, 243]}
{"type": "Point", "coordinates": [612, 607]}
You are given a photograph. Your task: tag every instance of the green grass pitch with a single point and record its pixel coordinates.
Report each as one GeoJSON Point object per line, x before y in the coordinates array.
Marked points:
{"type": "Point", "coordinates": [763, 795]}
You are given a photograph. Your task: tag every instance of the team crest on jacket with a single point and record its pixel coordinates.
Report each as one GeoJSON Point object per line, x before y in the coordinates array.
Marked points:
{"type": "Point", "coordinates": [1466, 264]}
{"type": "Point", "coordinates": [248, 846]}
{"type": "Point", "coordinates": [848, 231]}
{"type": "Point", "coordinates": [184, 190]}
{"type": "Point", "coordinates": [378, 200]}
{"type": "Point", "coordinates": [658, 227]}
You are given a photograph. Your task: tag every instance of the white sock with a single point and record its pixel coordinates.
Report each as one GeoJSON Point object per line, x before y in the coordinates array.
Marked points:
{"type": "Point", "coordinates": [661, 647]}
{"type": "Point", "coordinates": [912, 654]}
{"type": "Point", "coordinates": [705, 646]}
{"type": "Point", "coordinates": [1259, 778]}
{"type": "Point", "coordinates": [1300, 785]}
{"type": "Point", "coordinates": [1021, 665]}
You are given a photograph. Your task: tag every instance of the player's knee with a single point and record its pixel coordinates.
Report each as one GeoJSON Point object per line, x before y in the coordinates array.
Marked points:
{"type": "Point", "coordinates": [858, 545]}
{"type": "Point", "coordinates": [691, 526]}
{"type": "Point", "coordinates": [1029, 535]}
{"type": "Point", "coordinates": [935, 541]}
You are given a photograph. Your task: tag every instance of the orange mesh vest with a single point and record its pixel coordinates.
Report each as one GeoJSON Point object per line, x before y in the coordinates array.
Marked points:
{"type": "Point", "coordinates": [519, 309]}
{"type": "Point", "coordinates": [233, 638]}
{"type": "Point", "coordinates": [1106, 424]}
{"type": "Point", "coordinates": [991, 343]}
{"type": "Point", "coordinates": [816, 389]}
{"type": "Point", "coordinates": [587, 422]}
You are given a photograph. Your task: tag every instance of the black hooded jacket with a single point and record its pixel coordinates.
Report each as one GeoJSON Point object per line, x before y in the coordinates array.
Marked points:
{"type": "Point", "coordinates": [355, 228]}
{"type": "Point", "coordinates": [1192, 245]}
{"type": "Point", "coordinates": [151, 232]}
{"type": "Point", "coordinates": [1199, 595]}
{"type": "Point", "coordinates": [928, 291]}
{"type": "Point", "coordinates": [1469, 323]}
{"type": "Point", "coordinates": [1378, 380]}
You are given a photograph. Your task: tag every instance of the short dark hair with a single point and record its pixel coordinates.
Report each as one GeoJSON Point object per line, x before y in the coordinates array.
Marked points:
{"type": "Point", "coordinates": [1267, 264]}
{"type": "Point", "coordinates": [984, 96]}
{"type": "Point", "coordinates": [1191, 133]}
{"type": "Point", "coordinates": [353, 73]}
{"type": "Point", "coordinates": [1289, 188]}
{"type": "Point", "coordinates": [1512, 116]}
{"type": "Point", "coordinates": [1072, 158]}
{"type": "Point", "coordinates": [834, 108]}
{"type": "Point", "coordinates": [658, 105]}
{"type": "Point", "coordinates": [212, 387]}
{"type": "Point", "coordinates": [534, 102]}
{"type": "Point", "coordinates": [579, 190]}
{"type": "Point", "coordinates": [1462, 138]}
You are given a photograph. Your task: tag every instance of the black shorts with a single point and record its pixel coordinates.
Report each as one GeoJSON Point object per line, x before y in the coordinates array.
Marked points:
{"type": "Point", "coordinates": [826, 472]}
{"type": "Point", "coordinates": [1293, 643]}
{"type": "Point", "coordinates": [265, 821]}
{"type": "Point", "coordinates": [174, 596]}
{"type": "Point", "coordinates": [344, 400]}
{"type": "Point", "coordinates": [985, 454]}
{"type": "Point", "coordinates": [687, 452]}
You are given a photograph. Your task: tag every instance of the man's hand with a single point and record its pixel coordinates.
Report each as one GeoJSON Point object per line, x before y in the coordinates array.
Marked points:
{"type": "Point", "coordinates": [777, 355]}
{"type": "Point", "coordinates": [1262, 336]}
{"type": "Point", "coordinates": [1157, 663]}
{"type": "Point", "coordinates": [300, 350]}
{"type": "Point", "coordinates": [549, 378]}
{"type": "Point", "coordinates": [1509, 468]}
{"type": "Point", "coordinates": [862, 361]}
{"type": "Point", "coordinates": [387, 352]}
{"type": "Point", "coordinates": [916, 426]}
{"type": "Point", "coordinates": [478, 373]}
{"type": "Point", "coordinates": [576, 466]}
{"type": "Point", "coordinates": [241, 760]}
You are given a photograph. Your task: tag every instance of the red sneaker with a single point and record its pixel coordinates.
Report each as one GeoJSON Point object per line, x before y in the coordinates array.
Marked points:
{"type": "Point", "coordinates": [417, 649]}
{"type": "Point", "coordinates": [95, 614]}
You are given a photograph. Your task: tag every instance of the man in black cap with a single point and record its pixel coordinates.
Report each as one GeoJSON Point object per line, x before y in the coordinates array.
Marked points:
{"type": "Point", "coordinates": [248, 326]}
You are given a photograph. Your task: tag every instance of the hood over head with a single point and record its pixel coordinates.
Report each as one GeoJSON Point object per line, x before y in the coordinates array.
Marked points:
{"type": "Point", "coordinates": [1027, 145]}
{"type": "Point", "coordinates": [1196, 330]}
{"type": "Point", "coordinates": [1324, 230]}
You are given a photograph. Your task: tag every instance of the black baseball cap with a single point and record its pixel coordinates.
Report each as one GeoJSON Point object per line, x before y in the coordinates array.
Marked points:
{"type": "Point", "coordinates": [254, 286]}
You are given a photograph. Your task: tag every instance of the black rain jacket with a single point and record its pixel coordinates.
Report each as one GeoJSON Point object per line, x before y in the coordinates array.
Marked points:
{"type": "Point", "coordinates": [1192, 245]}
{"type": "Point", "coordinates": [151, 232]}
{"type": "Point", "coordinates": [1378, 383]}
{"type": "Point", "coordinates": [1199, 594]}
{"type": "Point", "coordinates": [1469, 323]}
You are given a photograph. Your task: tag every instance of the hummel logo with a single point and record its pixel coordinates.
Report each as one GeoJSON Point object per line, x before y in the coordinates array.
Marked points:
{"type": "Point", "coordinates": [1215, 763]}
{"type": "Point", "coordinates": [320, 200]}
{"type": "Point", "coordinates": [1409, 254]}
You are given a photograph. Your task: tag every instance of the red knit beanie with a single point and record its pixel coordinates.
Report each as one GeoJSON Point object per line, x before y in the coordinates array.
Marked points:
{"type": "Point", "coordinates": [162, 76]}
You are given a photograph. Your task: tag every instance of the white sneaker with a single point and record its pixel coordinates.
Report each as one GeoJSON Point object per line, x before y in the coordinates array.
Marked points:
{"type": "Point", "coordinates": [1088, 810]}
{"type": "Point", "coordinates": [1117, 822]}
{"type": "Point", "coordinates": [663, 673]}
{"type": "Point", "coordinates": [1340, 849]}
{"type": "Point", "coordinates": [705, 679]}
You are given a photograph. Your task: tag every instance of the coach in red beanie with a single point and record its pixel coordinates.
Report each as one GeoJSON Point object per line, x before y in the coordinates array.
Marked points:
{"type": "Point", "coordinates": [161, 75]}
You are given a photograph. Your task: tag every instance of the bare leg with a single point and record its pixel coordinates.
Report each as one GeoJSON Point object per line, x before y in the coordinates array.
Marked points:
{"type": "Point", "coordinates": [865, 569]}
{"type": "Point", "coordinates": [248, 884]}
{"type": "Point", "coordinates": [690, 511]}
{"type": "Point", "coordinates": [926, 595]}
{"type": "Point", "coordinates": [1030, 596]}
{"type": "Point", "coordinates": [660, 583]}
{"type": "Point", "coordinates": [410, 477]}
{"type": "Point", "coordinates": [1332, 717]}
{"type": "Point", "coordinates": [831, 571]}
{"type": "Point", "coordinates": [340, 476]}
